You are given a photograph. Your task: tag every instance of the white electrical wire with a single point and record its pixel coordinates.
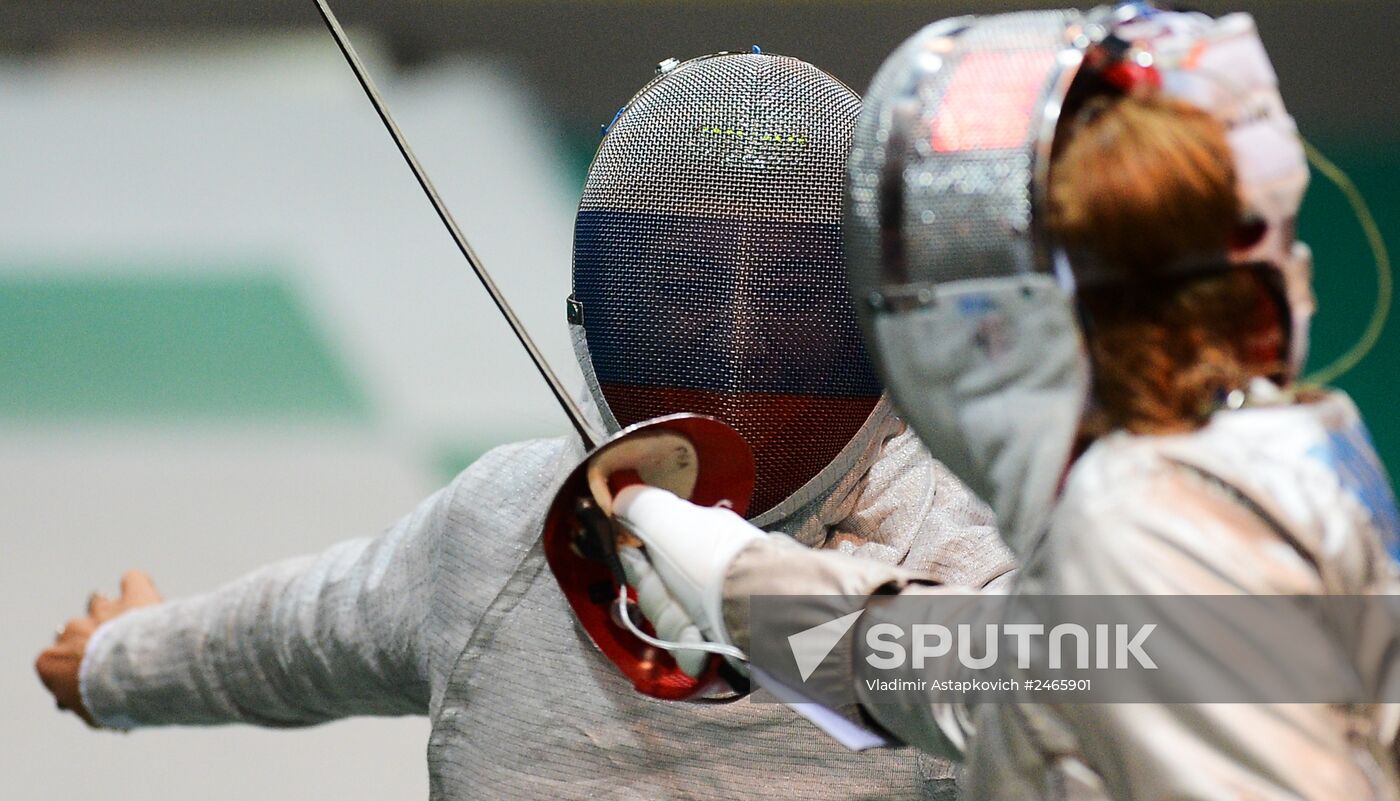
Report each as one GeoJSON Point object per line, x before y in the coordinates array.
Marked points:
{"type": "Point", "coordinates": [1385, 278]}
{"type": "Point", "coordinates": [708, 647]}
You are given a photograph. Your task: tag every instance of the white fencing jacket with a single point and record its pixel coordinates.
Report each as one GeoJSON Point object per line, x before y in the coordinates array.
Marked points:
{"type": "Point", "coordinates": [1303, 507]}
{"type": "Point", "coordinates": [453, 613]}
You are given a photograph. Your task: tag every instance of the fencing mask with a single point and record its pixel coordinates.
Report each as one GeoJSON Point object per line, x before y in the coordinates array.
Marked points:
{"type": "Point", "coordinates": [708, 267]}
{"type": "Point", "coordinates": [969, 303]}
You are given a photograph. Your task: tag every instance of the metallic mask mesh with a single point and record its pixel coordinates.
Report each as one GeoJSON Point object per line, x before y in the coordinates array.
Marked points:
{"type": "Point", "coordinates": [708, 266]}
{"type": "Point", "coordinates": [943, 163]}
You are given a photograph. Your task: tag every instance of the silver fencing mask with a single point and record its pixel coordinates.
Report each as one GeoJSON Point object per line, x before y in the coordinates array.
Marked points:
{"type": "Point", "coordinates": [708, 267]}
{"type": "Point", "coordinates": [968, 301]}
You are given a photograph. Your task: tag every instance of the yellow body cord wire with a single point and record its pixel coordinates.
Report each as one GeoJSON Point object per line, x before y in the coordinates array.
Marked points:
{"type": "Point", "coordinates": [1384, 277]}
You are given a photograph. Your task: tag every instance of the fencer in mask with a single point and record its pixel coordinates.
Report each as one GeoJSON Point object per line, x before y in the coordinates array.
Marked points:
{"type": "Point", "coordinates": [708, 277]}
{"type": "Point", "coordinates": [1071, 246]}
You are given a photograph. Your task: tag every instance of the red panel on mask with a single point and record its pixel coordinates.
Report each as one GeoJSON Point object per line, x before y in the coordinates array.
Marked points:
{"type": "Point", "coordinates": [991, 101]}
{"type": "Point", "coordinates": [793, 437]}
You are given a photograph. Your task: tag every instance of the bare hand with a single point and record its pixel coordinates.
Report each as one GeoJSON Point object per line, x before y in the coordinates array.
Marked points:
{"type": "Point", "coordinates": [59, 663]}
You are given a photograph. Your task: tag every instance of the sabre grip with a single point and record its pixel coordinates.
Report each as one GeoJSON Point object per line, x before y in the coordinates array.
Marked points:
{"type": "Point", "coordinates": [598, 540]}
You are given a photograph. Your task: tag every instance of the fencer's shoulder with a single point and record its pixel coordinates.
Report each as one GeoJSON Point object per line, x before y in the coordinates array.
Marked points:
{"type": "Point", "coordinates": [488, 518]}
{"type": "Point", "coordinates": [1310, 464]}
{"type": "Point", "coordinates": [515, 472]}
{"type": "Point", "coordinates": [1115, 479]}
{"type": "Point", "coordinates": [1272, 451]}
{"type": "Point", "coordinates": [530, 453]}
{"type": "Point", "coordinates": [1133, 521]}
{"type": "Point", "coordinates": [1256, 500]}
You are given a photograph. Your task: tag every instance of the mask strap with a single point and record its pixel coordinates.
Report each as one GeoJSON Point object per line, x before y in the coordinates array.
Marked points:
{"type": "Point", "coordinates": [1385, 277]}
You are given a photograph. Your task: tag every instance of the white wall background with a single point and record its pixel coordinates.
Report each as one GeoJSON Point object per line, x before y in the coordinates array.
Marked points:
{"type": "Point", "coordinates": [168, 153]}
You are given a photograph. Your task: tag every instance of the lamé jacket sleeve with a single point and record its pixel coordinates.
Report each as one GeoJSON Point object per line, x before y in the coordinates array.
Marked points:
{"type": "Point", "coordinates": [1166, 531]}
{"type": "Point", "coordinates": [1172, 532]}
{"type": "Point", "coordinates": [296, 643]}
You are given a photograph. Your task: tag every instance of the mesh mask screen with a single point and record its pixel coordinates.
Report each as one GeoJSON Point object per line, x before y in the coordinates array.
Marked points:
{"type": "Point", "coordinates": [982, 110]}
{"type": "Point", "coordinates": [708, 262]}
{"type": "Point", "coordinates": [943, 162]}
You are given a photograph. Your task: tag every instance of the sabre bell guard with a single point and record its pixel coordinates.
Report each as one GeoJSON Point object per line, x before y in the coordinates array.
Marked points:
{"type": "Point", "coordinates": [696, 457]}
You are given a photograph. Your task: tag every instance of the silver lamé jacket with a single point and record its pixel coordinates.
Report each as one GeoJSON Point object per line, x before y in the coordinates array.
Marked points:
{"type": "Point", "coordinates": [453, 614]}
{"type": "Point", "coordinates": [1286, 499]}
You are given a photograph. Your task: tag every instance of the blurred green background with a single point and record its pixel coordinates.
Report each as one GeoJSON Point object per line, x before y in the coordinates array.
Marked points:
{"type": "Point", "coordinates": [251, 342]}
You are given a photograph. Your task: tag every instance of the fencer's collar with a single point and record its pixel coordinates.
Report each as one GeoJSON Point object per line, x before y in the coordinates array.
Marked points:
{"type": "Point", "coordinates": [854, 459]}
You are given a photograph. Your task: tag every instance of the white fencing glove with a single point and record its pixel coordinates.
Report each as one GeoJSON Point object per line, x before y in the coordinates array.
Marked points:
{"type": "Point", "coordinates": [680, 579]}
{"type": "Point", "coordinates": [668, 618]}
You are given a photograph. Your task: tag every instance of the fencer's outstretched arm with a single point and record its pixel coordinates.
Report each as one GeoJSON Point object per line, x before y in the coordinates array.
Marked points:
{"type": "Point", "coordinates": [296, 643]}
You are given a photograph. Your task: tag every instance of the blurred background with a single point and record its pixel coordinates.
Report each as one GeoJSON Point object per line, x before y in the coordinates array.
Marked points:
{"type": "Point", "coordinates": [232, 330]}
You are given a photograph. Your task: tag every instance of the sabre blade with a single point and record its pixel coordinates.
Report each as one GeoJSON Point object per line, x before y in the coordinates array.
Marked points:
{"type": "Point", "coordinates": [571, 409]}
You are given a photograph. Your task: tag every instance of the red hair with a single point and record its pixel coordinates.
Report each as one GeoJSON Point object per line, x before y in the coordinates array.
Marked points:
{"type": "Point", "coordinates": [1145, 183]}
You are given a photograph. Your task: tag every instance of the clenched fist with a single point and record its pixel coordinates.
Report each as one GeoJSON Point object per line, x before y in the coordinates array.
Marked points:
{"type": "Point", "coordinates": [59, 663]}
